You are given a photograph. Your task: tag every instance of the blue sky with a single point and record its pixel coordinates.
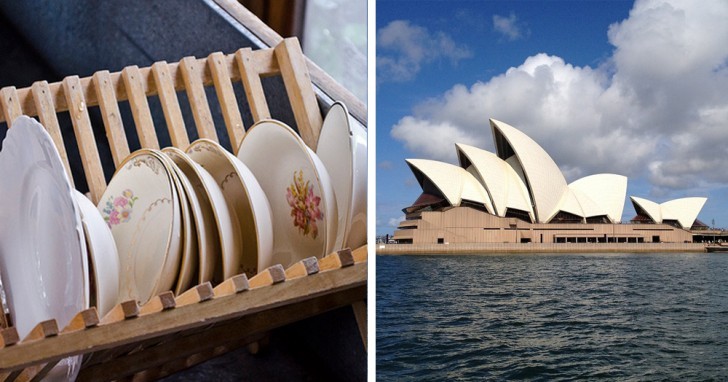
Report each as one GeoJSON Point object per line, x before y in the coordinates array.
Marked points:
{"type": "Point", "coordinates": [634, 88]}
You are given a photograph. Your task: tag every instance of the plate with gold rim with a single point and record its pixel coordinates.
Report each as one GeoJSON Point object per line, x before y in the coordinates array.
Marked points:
{"type": "Point", "coordinates": [214, 218]}
{"type": "Point", "coordinates": [300, 193]}
{"type": "Point", "coordinates": [141, 206]}
{"type": "Point", "coordinates": [248, 202]}
{"type": "Point", "coordinates": [188, 253]}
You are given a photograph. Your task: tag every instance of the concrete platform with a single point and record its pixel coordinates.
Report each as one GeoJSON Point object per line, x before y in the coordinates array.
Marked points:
{"type": "Point", "coordinates": [482, 248]}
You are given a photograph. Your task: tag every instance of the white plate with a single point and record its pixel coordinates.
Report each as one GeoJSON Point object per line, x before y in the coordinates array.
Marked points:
{"type": "Point", "coordinates": [248, 202]}
{"type": "Point", "coordinates": [104, 264]}
{"type": "Point", "coordinates": [142, 209]}
{"type": "Point", "coordinates": [43, 261]}
{"type": "Point", "coordinates": [298, 188]}
{"type": "Point", "coordinates": [188, 254]}
{"type": "Point", "coordinates": [342, 147]}
{"type": "Point", "coordinates": [216, 216]}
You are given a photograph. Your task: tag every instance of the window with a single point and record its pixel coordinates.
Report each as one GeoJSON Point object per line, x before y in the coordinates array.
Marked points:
{"type": "Point", "coordinates": [335, 38]}
{"type": "Point", "coordinates": [518, 214]}
{"type": "Point", "coordinates": [566, 218]}
{"type": "Point", "coordinates": [440, 240]}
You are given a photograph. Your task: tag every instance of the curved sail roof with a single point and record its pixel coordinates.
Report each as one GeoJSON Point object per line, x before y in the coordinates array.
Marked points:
{"type": "Point", "coordinates": [578, 203]}
{"type": "Point", "coordinates": [500, 180]}
{"type": "Point", "coordinates": [684, 210]}
{"type": "Point", "coordinates": [543, 177]}
{"type": "Point", "coordinates": [607, 190]}
{"type": "Point", "coordinates": [454, 182]}
{"type": "Point", "coordinates": [649, 207]}
{"type": "Point", "coordinates": [522, 176]}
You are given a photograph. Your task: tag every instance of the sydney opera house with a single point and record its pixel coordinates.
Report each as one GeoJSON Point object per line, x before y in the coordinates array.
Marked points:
{"type": "Point", "coordinates": [519, 195]}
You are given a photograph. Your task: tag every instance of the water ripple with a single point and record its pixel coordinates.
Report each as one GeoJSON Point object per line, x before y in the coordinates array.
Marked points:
{"type": "Point", "coordinates": [552, 317]}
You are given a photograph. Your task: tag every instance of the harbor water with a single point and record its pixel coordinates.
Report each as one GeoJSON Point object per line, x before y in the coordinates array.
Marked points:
{"type": "Point", "coordinates": [660, 316]}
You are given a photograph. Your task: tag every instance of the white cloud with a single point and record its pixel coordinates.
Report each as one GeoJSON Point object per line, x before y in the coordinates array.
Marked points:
{"type": "Point", "coordinates": [394, 222]}
{"type": "Point", "coordinates": [419, 135]}
{"type": "Point", "coordinates": [385, 165]}
{"type": "Point", "coordinates": [402, 48]}
{"type": "Point", "coordinates": [510, 27]}
{"type": "Point", "coordinates": [658, 107]}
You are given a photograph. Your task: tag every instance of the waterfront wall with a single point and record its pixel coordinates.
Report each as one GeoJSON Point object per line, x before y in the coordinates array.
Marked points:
{"type": "Point", "coordinates": [463, 248]}
{"type": "Point", "coordinates": [462, 225]}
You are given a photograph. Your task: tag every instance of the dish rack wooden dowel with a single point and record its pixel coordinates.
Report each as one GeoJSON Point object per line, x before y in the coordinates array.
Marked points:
{"type": "Point", "coordinates": [135, 85]}
{"type": "Point", "coordinates": [169, 332]}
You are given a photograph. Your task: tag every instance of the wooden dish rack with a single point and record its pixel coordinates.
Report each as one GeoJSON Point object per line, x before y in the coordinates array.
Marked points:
{"type": "Point", "coordinates": [170, 333]}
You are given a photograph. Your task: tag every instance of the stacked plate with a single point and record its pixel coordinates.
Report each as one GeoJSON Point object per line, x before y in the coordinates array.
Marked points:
{"type": "Point", "coordinates": [249, 209]}
{"type": "Point", "coordinates": [142, 207]}
{"type": "Point", "coordinates": [318, 200]}
{"type": "Point", "coordinates": [43, 255]}
{"type": "Point", "coordinates": [180, 219]}
{"type": "Point", "coordinates": [301, 194]}
{"type": "Point", "coordinates": [171, 219]}
{"type": "Point", "coordinates": [342, 148]}
{"type": "Point", "coordinates": [104, 260]}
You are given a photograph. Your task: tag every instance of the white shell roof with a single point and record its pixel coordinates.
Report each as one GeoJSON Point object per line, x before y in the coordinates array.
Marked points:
{"type": "Point", "coordinates": [454, 182]}
{"type": "Point", "coordinates": [500, 180]}
{"type": "Point", "coordinates": [651, 208]}
{"type": "Point", "coordinates": [523, 176]}
{"type": "Point", "coordinates": [588, 205]}
{"type": "Point", "coordinates": [606, 190]}
{"type": "Point", "coordinates": [569, 203]}
{"type": "Point", "coordinates": [684, 210]}
{"type": "Point", "coordinates": [543, 177]}
{"type": "Point", "coordinates": [576, 202]}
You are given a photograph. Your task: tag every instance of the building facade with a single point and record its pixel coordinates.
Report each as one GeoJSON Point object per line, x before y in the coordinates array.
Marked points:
{"type": "Point", "coordinates": [519, 195]}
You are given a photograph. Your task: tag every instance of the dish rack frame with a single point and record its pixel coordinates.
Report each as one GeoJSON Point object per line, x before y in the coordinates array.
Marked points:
{"type": "Point", "coordinates": [171, 333]}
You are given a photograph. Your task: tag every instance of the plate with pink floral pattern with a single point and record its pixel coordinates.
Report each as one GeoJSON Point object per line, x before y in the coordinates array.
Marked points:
{"type": "Point", "coordinates": [301, 195]}
{"type": "Point", "coordinates": [142, 208]}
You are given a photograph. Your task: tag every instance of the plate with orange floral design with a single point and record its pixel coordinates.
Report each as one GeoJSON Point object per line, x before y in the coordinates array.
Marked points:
{"type": "Point", "coordinates": [301, 195]}
{"type": "Point", "coordinates": [142, 208]}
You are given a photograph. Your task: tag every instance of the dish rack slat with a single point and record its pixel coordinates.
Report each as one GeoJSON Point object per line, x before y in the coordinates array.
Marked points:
{"type": "Point", "coordinates": [111, 116]}
{"type": "Point", "coordinates": [192, 75]}
{"type": "Point", "coordinates": [226, 96]}
{"type": "Point", "coordinates": [171, 333]}
{"type": "Point", "coordinates": [130, 333]}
